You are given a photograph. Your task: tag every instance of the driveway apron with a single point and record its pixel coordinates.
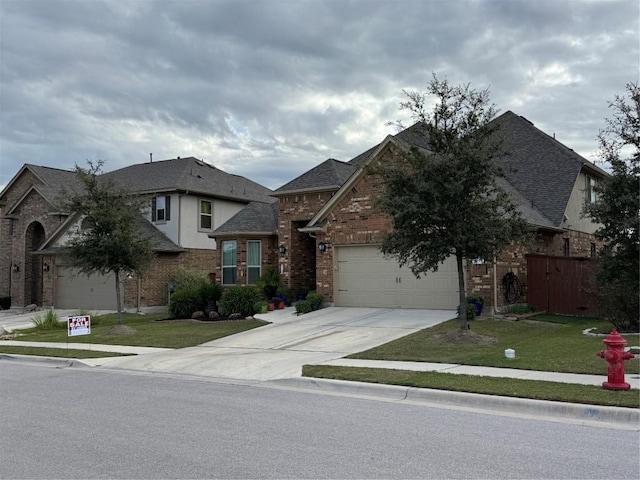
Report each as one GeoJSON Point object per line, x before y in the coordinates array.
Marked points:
{"type": "Point", "coordinates": [279, 350]}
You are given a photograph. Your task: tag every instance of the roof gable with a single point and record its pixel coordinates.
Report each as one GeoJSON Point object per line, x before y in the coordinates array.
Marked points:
{"type": "Point", "coordinates": [35, 189]}
{"type": "Point", "coordinates": [51, 181]}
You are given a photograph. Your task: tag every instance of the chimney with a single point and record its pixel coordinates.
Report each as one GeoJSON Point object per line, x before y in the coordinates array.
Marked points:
{"type": "Point", "coordinates": [151, 157]}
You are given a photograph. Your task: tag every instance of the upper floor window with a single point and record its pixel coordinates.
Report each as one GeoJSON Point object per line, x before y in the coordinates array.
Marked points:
{"type": "Point", "coordinates": [161, 209]}
{"type": "Point", "coordinates": [206, 215]}
{"type": "Point", "coordinates": [591, 190]}
{"type": "Point", "coordinates": [254, 262]}
{"type": "Point", "coordinates": [229, 262]}
{"type": "Point", "coordinates": [565, 247]}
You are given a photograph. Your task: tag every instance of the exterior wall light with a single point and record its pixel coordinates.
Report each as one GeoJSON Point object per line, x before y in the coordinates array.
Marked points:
{"type": "Point", "coordinates": [282, 249]}
{"type": "Point", "coordinates": [322, 247]}
{"type": "Point", "coordinates": [45, 267]}
{"type": "Point", "coordinates": [15, 268]}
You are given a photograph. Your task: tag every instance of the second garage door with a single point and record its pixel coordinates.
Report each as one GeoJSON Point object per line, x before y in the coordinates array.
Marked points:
{"type": "Point", "coordinates": [97, 292]}
{"type": "Point", "coordinates": [364, 278]}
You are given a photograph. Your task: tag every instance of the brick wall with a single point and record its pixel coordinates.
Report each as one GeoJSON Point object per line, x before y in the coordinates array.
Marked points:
{"type": "Point", "coordinates": [356, 220]}
{"type": "Point", "coordinates": [480, 278]}
{"type": "Point", "coordinates": [298, 267]}
{"type": "Point", "coordinates": [153, 285]}
{"type": "Point", "coordinates": [32, 221]}
{"type": "Point", "coordinates": [268, 251]}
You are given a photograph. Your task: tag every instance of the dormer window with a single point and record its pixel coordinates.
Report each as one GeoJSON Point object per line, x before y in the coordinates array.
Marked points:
{"type": "Point", "coordinates": [161, 209]}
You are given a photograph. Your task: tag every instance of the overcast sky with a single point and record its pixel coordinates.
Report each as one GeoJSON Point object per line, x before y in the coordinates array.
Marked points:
{"type": "Point", "coordinates": [269, 89]}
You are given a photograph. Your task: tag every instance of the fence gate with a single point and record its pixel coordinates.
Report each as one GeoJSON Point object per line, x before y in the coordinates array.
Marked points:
{"type": "Point", "coordinates": [561, 284]}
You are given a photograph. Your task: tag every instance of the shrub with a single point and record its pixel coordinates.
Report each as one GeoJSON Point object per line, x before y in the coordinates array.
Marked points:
{"type": "Point", "coordinates": [47, 321]}
{"type": "Point", "coordinates": [5, 303]}
{"type": "Point", "coordinates": [183, 303]}
{"type": "Point", "coordinates": [471, 310]}
{"type": "Point", "coordinates": [261, 307]}
{"type": "Point", "coordinates": [239, 300]}
{"type": "Point", "coordinates": [315, 299]}
{"type": "Point", "coordinates": [209, 294]}
{"type": "Point", "coordinates": [189, 279]}
{"type": "Point", "coordinates": [303, 306]}
{"type": "Point", "coordinates": [517, 308]}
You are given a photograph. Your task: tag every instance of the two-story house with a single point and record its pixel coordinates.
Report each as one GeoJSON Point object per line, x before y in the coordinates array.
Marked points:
{"type": "Point", "coordinates": [189, 199]}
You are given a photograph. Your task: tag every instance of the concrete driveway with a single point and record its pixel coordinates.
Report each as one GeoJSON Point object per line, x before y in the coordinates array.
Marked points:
{"type": "Point", "coordinates": [279, 350]}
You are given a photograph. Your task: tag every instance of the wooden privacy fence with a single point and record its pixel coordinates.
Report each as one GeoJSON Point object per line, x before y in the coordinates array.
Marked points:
{"type": "Point", "coordinates": [561, 284]}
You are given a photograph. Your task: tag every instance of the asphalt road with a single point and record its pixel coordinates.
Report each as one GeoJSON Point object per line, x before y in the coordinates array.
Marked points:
{"type": "Point", "coordinates": [87, 423]}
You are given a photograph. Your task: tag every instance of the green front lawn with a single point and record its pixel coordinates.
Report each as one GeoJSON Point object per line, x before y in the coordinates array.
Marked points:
{"type": "Point", "coordinates": [545, 342]}
{"type": "Point", "coordinates": [149, 331]}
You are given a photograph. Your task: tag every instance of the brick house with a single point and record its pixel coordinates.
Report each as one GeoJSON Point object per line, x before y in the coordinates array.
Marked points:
{"type": "Point", "coordinates": [189, 200]}
{"type": "Point", "coordinates": [329, 230]}
{"type": "Point", "coordinates": [321, 230]}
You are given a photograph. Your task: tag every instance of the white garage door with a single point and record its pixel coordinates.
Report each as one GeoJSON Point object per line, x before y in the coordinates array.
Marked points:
{"type": "Point", "coordinates": [97, 292]}
{"type": "Point", "coordinates": [364, 278]}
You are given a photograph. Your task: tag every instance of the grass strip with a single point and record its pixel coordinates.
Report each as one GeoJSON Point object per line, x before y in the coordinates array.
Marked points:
{"type": "Point", "coordinates": [146, 331]}
{"type": "Point", "coordinates": [57, 352]}
{"type": "Point", "coordinates": [536, 389]}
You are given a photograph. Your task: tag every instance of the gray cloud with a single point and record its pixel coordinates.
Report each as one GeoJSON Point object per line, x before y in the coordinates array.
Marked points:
{"type": "Point", "coordinates": [268, 89]}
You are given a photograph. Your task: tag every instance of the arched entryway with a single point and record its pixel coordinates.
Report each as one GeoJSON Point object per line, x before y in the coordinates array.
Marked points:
{"type": "Point", "coordinates": [34, 238]}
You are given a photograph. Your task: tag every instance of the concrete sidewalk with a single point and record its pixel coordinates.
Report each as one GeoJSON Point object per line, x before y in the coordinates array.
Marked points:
{"type": "Point", "coordinates": [96, 347]}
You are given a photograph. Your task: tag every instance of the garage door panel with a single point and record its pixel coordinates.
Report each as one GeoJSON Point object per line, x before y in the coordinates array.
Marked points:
{"type": "Point", "coordinates": [74, 290]}
{"type": "Point", "coordinates": [366, 278]}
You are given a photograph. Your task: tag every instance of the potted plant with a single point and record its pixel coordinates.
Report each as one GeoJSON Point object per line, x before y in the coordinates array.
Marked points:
{"type": "Point", "coordinates": [278, 303]}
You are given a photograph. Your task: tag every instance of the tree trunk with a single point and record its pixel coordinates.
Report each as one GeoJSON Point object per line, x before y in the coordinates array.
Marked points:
{"type": "Point", "coordinates": [118, 299]}
{"type": "Point", "coordinates": [464, 323]}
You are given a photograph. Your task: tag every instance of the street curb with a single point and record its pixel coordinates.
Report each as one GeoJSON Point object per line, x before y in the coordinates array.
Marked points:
{"type": "Point", "coordinates": [598, 415]}
{"type": "Point", "coordinates": [57, 362]}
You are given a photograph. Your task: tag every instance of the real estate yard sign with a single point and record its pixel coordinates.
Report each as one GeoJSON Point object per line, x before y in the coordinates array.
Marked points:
{"type": "Point", "coordinates": [78, 325]}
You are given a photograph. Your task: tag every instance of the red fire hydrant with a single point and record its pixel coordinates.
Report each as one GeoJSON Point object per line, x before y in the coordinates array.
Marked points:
{"type": "Point", "coordinates": [615, 357]}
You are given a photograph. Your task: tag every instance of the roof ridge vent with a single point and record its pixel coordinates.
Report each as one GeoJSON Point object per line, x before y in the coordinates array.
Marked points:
{"type": "Point", "coordinates": [526, 120]}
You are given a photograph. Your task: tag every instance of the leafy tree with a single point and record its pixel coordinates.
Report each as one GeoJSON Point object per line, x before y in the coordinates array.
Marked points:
{"type": "Point", "coordinates": [447, 201]}
{"type": "Point", "coordinates": [109, 240]}
{"type": "Point", "coordinates": [616, 209]}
